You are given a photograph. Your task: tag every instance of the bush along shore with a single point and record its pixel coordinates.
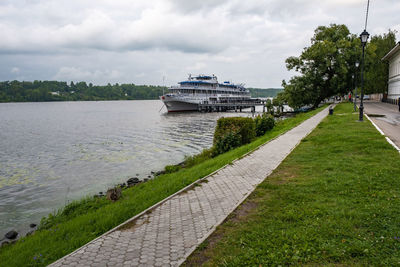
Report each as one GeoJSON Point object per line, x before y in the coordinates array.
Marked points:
{"type": "Point", "coordinates": [332, 202]}
{"type": "Point", "coordinates": [81, 221]}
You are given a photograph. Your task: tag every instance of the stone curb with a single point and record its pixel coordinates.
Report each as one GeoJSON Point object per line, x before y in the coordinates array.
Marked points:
{"type": "Point", "coordinates": [382, 133]}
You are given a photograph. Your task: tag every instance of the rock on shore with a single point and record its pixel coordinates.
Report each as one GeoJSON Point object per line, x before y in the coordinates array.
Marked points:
{"type": "Point", "coordinates": [114, 193]}
{"type": "Point", "coordinates": [11, 235]}
{"type": "Point", "coordinates": [132, 181]}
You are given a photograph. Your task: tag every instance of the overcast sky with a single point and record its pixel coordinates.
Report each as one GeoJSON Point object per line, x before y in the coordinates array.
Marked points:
{"type": "Point", "coordinates": [140, 41]}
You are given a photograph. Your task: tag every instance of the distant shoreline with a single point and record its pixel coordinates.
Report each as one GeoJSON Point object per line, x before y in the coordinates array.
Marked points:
{"type": "Point", "coordinates": [56, 91]}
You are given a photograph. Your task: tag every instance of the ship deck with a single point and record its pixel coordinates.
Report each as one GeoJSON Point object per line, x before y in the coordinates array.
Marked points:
{"type": "Point", "coordinates": [237, 106]}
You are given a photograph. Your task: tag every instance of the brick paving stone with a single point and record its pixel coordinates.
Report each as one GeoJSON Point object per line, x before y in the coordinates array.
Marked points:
{"type": "Point", "coordinates": [176, 227]}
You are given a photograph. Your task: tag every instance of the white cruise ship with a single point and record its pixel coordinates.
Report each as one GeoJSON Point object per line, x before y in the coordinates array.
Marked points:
{"type": "Point", "coordinates": [203, 89]}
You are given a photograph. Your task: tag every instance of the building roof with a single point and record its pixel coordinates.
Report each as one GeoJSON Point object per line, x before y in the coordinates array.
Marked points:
{"type": "Point", "coordinates": [394, 50]}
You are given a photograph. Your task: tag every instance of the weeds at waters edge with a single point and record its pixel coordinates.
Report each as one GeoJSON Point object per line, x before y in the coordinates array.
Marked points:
{"type": "Point", "coordinates": [82, 226]}
{"type": "Point", "coordinates": [333, 201]}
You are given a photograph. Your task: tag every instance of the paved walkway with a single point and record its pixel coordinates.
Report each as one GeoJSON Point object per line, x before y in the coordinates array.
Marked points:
{"type": "Point", "coordinates": [390, 123]}
{"type": "Point", "coordinates": [167, 234]}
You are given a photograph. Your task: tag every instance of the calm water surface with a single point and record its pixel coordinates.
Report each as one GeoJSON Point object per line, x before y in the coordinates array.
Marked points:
{"type": "Point", "coordinates": [55, 152]}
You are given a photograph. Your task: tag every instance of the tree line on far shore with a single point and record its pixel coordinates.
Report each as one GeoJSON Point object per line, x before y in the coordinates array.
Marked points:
{"type": "Point", "coordinates": [259, 92]}
{"type": "Point", "coordinates": [38, 91]}
{"type": "Point", "coordinates": [327, 66]}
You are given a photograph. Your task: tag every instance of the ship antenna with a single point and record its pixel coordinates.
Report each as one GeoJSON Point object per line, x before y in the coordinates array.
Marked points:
{"type": "Point", "coordinates": [163, 82]}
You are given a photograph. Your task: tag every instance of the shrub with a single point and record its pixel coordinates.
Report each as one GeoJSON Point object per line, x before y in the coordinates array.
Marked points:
{"type": "Point", "coordinates": [196, 159]}
{"type": "Point", "coordinates": [264, 123]}
{"type": "Point", "coordinates": [172, 168]}
{"type": "Point", "coordinates": [72, 210]}
{"type": "Point", "coordinates": [227, 142]}
{"type": "Point", "coordinates": [233, 132]}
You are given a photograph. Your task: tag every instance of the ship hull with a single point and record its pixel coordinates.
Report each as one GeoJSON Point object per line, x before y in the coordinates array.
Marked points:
{"type": "Point", "coordinates": [179, 106]}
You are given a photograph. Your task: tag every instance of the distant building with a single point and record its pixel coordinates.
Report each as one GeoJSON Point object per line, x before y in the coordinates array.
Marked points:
{"type": "Point", "coordinates": [394, 72]}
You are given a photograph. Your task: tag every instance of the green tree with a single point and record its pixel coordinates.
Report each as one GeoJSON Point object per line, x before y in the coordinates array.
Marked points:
{"type": "Point", "coordinates": [270, 107]}
{"type": "Point", "coordinates": [16, 91]}
{"type": "Point", "coordinates": [278, 102]}
{"type": "Point", "coordinates": [377, 71]}
{"type": "Point", "coordinates": [327, 66]}
{"type": "Point", "coordinates": [324, 67]}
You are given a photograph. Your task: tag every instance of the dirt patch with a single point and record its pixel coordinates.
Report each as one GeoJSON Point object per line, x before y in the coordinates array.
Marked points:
{"type": "Point", "coordinates": [193, 186]}
{"type": "Point", "coordinates": [283, 174]}
{"type": "Point", "coordinates": [200, 255]}
{"type": "Point", "coordinates": [128, 227]}
{"type": "Point", "coordinates": [131, 226]}
{"type": "Point", "coordinates": [243, 210]}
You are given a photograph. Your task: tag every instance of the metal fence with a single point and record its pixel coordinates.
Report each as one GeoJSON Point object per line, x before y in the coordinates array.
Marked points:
{"type": "Point", "coordinates": [391, 101]}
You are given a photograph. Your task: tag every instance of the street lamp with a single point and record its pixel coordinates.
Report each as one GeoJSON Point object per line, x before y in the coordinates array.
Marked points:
{"type": "Point", "coordinates": [355, 86]}
{"type": "Point", "coordinates": [364, 38]}
{"type": "Point", "coordinates": [354, 90]}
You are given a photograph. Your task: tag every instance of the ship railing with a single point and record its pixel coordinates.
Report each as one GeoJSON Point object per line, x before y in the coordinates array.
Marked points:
{"type": "Point", "coordinates": [232, 102]}
{"type": "Point", "coordinates": [205, 88]}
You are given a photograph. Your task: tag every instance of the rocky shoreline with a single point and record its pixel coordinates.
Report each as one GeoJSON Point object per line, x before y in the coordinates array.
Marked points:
{"type": "Point", "coordinates": [112, 194]}
{"type": "Point", "coordinates": [12, 236]}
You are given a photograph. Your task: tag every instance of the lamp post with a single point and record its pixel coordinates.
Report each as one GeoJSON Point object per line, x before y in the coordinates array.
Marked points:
{"type": "Point", "coordinates": [354, 89]}
{"type": "Point", "coordinates": [355, 86]}
{"type": "Point", "coordinates": [364, 38]}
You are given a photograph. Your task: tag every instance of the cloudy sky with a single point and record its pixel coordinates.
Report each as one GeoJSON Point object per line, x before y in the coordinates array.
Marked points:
{"type": "Point", "coordinates": [140, 41]}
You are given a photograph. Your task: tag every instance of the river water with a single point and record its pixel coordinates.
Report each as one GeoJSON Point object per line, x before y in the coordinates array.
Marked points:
{"type": "Point", "coordinates": [54, 152]}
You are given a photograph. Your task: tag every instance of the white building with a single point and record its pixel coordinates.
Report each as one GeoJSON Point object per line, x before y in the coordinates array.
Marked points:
{"type": "Point", "coordinates": [394, 72]}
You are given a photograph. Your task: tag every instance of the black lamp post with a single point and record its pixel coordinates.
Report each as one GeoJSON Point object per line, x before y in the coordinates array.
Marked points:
{"type": "Point", "coordinates": [354, 89]}
{"type": "Point", "coordinates": [364, 38]}
{"type": "Point", "coordinates": [355, 86]}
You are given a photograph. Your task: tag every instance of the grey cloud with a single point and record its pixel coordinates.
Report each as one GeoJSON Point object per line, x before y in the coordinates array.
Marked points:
{"type": "Point", "coordinates": [79, 74]}
{"type": "Point", "coordinates": [197, 6]}
{"type": "Point", "coordinates": [99, 31]}
{"type": "Point", "coordinates": [140, 41]}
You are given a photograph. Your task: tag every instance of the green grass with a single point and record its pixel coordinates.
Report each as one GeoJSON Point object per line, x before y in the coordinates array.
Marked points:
{"type": "Point", "coordinates": [82, 221]}
{"type": "Point", "coordinates": [333, 201]}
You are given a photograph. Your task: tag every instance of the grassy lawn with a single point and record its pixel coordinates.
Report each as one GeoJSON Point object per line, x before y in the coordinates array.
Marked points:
{"type": "Point", "coordinates": [335, 200]}
{"type": "Point", "coordinates": [87, 219]}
